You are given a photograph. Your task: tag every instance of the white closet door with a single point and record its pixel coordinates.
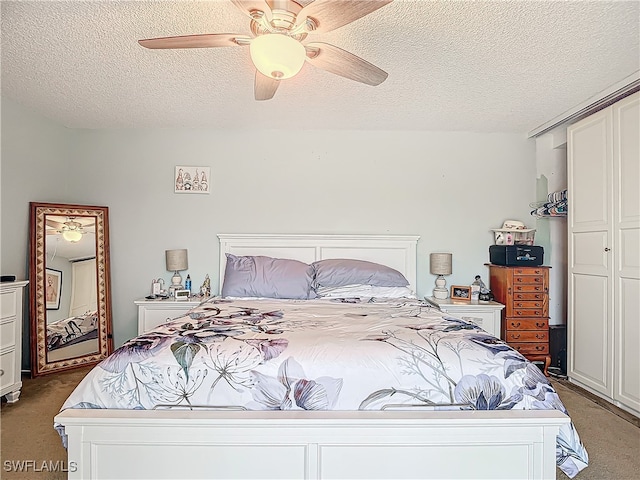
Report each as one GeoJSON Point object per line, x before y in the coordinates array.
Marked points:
{"type": "Point", "coordinates": [84, 282]}
{"type": "Point", "coordinates": [626, 274]}
{"type": "Point", "coordinates": [590, 307]}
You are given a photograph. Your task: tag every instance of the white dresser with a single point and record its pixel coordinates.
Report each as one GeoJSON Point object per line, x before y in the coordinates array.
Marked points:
{"type": "Point", "coordinates": [11, 294]}
{"type": "Point", "coordinates": [152, 313]}
{"type": "Point", "coordinates": [487, 315]}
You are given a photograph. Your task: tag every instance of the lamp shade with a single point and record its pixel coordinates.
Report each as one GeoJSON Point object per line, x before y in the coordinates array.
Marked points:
{"type": "Point", "coordinates": [440, 263]}
{"type": "Point", "coordinates": [176, 259]}
{"type": "Point", "coordinates": [277, 56]}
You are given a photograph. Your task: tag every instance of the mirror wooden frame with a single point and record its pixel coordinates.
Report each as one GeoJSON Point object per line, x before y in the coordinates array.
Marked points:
{"type": "Point", "coordinates": [37, 277]}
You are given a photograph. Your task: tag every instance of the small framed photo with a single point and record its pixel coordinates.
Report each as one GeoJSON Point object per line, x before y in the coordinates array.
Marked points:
{"type": "Point", "coordinates": [191, 179]}
{"type": "Point", "coordinates": [461, 293]}
{"type": "Point", "coordinates": [53, 282]}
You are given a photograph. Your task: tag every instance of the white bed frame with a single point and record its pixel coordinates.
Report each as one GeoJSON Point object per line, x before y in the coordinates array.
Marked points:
{"type": "Point", "coordinates": [420, 444]}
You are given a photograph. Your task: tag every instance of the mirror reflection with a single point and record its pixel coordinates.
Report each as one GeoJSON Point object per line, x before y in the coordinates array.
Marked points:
{"type": "Point", "coordinates": [71, 287]}
{"type": "Point", "coordinates": [70, 297]}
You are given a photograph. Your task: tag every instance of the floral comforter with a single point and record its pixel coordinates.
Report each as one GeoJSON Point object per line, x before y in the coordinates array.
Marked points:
{"type": "Point", "coordinates": [339, 354]}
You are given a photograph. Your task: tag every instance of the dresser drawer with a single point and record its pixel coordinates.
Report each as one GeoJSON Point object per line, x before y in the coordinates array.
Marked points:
{"type": "Point", "coordinates": [153, 318]}
{"type": "Point", "coordinates": [516, 336]}
{"type": "Point", "coordinates": [528, 279]}
{"type": "Point", "coordinates": [528, 312]}
{"type": "Point", "coordinates": [152, 313]}
{"type": "Point", "coordinates": [528, 271]}
{"type": "Point", "coordinates": [529, 288]}
{"type": "Point", "coordinates": [526, 324]}
{"type": "Point", "coordinates": [531, 348]}
{"type": "Point", "coordinates": [518, 295]}
{"type": "Point", "coordinates": [536, 304]}
{"type": "Point", "coordinates": [7, 369]}
{"type": "Point", "coordinates": [9, 304]}
{"type": "Point", "coordinates": [7, 334]}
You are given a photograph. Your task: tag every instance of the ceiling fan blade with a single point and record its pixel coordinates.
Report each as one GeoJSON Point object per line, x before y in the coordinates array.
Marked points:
{"type": "Point", "coordinates": [196, 41]}
{"type": "Point", "coordinates": [53, 224]}
{"type": "Point", "coordinates": [340, 62]}
{"type": "Point", "coordinates": [265, 87]}
{"type": "Point", "coordinates": [331, 14]}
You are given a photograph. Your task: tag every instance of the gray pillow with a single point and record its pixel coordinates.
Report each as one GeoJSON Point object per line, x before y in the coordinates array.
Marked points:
{"type": "Point", "coordinates": [341, 272]}
{"type": "Point", "coordinates": [259, 276]}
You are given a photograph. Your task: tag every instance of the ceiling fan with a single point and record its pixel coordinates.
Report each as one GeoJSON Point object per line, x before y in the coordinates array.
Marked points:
{"type": "Point", "coordinates": [278, 48]}
{"type": "Point", "coordinates": [71, 230]}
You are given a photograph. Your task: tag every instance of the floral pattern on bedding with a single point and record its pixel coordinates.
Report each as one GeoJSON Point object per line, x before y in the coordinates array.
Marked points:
{"type": "Point", "coordinates": [340, 354]}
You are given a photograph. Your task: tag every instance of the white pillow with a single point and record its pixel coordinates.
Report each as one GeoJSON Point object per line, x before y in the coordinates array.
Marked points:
{"type": "Point", "coordinates": [358, 290]}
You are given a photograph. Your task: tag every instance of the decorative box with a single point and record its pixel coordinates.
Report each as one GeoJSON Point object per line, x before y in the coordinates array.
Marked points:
{"type": "Point", "coordinates": [516, 255]}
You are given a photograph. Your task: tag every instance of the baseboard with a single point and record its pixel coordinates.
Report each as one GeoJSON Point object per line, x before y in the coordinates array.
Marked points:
{"type": "Point", "coordinates": [628, 416]}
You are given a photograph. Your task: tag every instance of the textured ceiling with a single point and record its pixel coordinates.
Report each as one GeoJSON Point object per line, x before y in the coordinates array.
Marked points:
{"type": "Point", "coordinates": [506, 66]}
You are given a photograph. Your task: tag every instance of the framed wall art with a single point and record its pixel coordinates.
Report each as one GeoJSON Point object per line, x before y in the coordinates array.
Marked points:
{"type": "Point", "coordinates": [191, 179]}
{"type": "Point", "coordinates": [53, 283]}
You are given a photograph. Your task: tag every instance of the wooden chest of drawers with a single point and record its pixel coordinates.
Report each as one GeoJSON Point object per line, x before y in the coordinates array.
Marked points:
{"type": "Point", "coordinates": [525, 319]}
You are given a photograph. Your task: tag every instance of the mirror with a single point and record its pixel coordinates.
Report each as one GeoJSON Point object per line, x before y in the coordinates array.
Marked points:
{"type": "Point", "coordinates": [69, 275]}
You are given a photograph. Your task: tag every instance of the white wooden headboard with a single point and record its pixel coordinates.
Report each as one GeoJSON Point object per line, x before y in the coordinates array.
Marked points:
{"type": "Point", "coordinates": [395, 251]}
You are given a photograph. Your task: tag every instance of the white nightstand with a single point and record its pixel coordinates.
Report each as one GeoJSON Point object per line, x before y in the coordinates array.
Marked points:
{"type": "Point", "coordinates": [152, 313]}
{"type": "Point", "coordinates": [487, 315]}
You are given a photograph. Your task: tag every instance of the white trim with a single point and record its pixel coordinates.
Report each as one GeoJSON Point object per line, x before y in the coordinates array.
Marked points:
{"type": "Point", "coordinates": [603, 99]}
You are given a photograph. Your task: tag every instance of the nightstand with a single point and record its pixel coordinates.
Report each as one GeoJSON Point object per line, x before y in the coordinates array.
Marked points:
{"type": "Point", "coordinates": [152, 313]}
{"type": "Point", "coordinates": [486, 315]}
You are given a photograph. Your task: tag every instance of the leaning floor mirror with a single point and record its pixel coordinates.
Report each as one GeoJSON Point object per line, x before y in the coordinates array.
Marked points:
{"type": "Point", "coordinates": [69, 275]}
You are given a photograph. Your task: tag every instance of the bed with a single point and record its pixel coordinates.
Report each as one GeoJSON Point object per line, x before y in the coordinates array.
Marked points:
{"type": "Point", "coordinates": [274, 388]}
{"type": "Point", "coordinates": [72, 330]}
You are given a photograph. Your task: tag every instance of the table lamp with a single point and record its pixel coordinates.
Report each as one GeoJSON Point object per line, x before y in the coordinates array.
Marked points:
{"type": "Point", "coordinates": [440, 265]}
{"type": "Point", "coordinates": [176, 260]}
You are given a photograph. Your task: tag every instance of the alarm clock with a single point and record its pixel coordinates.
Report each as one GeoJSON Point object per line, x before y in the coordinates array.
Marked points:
{"type": "Point", "coordinates": [182, 294]}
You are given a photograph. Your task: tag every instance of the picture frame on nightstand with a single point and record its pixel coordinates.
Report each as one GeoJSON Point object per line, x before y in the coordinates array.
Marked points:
{"type": "Point", "coordinates": [461, 293]}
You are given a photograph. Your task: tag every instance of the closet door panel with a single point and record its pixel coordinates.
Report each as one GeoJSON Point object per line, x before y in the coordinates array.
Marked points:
{"type": "Point", "coordinates": [590, 173]}
{"type": "Point", "coordinates": [590, 352]}
{"type": "Point", "coordinates": [627, 156]}
{"type": "Point", "coordinates": [627, 388]}
{"type": "Point", "coordinates": [589, 253]}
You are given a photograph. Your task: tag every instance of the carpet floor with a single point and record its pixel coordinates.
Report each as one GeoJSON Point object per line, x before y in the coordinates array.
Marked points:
{"type": "Point", "coordinates": [27, 434]}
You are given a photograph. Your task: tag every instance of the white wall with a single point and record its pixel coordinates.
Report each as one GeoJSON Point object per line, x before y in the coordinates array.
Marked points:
{"type": "Point", "coordinates": [33, 168]}
{"type": "Point", "coordinates": [551, 232]}
{"type": "Point", "coordinates": [450, 188]}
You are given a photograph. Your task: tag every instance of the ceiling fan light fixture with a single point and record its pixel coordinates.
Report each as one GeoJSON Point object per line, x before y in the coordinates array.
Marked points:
{"type": "Point", "coordinates": [277, 56]}
{"type": "Point", "coordinates": [72, 235]}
